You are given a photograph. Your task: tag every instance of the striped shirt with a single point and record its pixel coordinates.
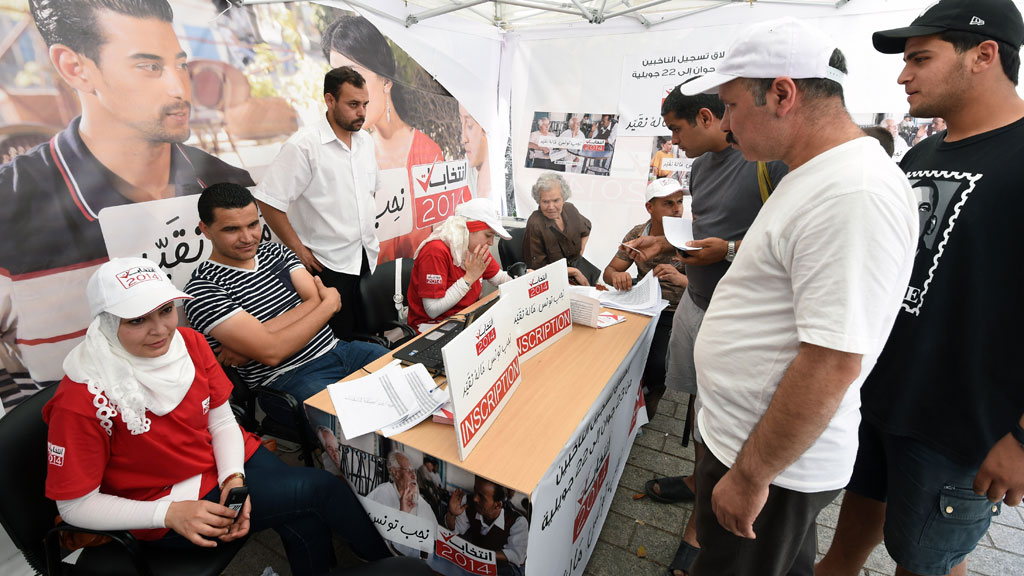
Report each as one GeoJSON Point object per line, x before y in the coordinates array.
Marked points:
{"type": "Point", "coordinates": [265, 292]}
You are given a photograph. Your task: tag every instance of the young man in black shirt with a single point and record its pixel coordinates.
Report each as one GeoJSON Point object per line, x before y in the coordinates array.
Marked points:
{"type": "Point", "coordinates": [942, 439]}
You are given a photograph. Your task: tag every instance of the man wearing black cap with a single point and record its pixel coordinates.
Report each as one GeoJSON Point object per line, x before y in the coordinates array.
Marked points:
{"type": "Point", "coordinates": [942, 439]}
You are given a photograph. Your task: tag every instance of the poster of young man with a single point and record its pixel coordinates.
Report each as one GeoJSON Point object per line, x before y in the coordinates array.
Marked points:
{"type": "Point", "coordinates": [137, 101]}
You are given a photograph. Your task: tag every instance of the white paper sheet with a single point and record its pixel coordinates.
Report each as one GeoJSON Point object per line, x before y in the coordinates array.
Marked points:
{"type": "Point", "coordinates": [428, 399]}
{"type": "Point", "coordinates": [679, 231]}
{"type": "Point", "coordinates": [644, 295]}
{"type": "Point", "coordinates": [372, 402]}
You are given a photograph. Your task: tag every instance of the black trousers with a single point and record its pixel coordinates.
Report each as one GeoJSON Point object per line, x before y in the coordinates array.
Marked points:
{"type": "Point", "coordinates": [786, 538]}
{"type": "Point", "coordinates": [349, 319]}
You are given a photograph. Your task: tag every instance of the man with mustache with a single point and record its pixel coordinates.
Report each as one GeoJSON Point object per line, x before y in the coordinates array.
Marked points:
{"type": "Point", "coordinates": [131, 75]}
{"type": "Point", "coordinates": [318, 194]}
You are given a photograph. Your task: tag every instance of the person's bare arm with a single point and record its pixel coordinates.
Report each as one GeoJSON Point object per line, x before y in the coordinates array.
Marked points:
{"type": "Point", "coordinates": [306, 288]}
{"type": "Point", "coordinates": [246, 335]}
{"type": "Point", "coordinates": [649, 247]}
{"type": "Point", "coordinates": [278, 222]}
{"type": "Point", "coordinates": [807, 397]}
{"type": "Point", "coordinates": [616, 274]}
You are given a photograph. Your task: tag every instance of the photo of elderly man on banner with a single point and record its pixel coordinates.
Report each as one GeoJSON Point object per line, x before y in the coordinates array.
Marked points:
{"type": "Point", "coordinates": [121, 111]}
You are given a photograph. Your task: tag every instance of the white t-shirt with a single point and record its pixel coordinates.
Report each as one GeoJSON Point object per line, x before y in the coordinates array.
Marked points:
{"type": "Point", "coordinates": [327, 189]}
{"type": "Point", "coordinates": [535, 137]}
{"type": "Point", "coordinates": [826, 262]}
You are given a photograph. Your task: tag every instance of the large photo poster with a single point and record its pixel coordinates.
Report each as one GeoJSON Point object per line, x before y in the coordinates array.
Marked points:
{"type": "Point", "coordinates": [105, 105]}
{"type": "Point", "coordinates": [460, 523]}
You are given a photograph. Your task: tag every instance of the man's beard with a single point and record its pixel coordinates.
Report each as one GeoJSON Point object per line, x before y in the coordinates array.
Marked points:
{"type": "Point", "coordinates": [731, 139]}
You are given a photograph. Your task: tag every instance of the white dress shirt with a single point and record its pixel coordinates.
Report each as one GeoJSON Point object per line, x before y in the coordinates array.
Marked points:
{"type": "Point", "coordinates": [327, 189]}
{"type": "Point", "coordinates": [515, 548]}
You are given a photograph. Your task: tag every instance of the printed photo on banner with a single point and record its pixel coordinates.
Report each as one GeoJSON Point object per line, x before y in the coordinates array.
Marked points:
{"type": "Point", "coordinates": [417, 126]}
{"type": "Point", "coordinates": [572, 142]}
{"type": "Point", "coordinates": [905, 130]}
{"type": "Point", "coordinates": [667, 161]}
{"type": "Point", "coordinates": [648, 78]}
{"type": "Point", "coordinates": [164, 100]}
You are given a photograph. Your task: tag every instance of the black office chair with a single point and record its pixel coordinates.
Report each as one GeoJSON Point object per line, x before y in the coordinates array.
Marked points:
{"type": "Point", "coordinates": [511, 251]}
{"type": "Point", "coordinates": [27, 515]}
{"type": "Point", "coordinates": [379, 304]}
{"type": "Point", "coordinates": [243, 404]}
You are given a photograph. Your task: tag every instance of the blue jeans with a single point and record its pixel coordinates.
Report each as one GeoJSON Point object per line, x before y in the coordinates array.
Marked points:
{"type": "Point", "coordinates": [305, 506]}
{"type": "Point", "coordinates": [933, 518]}
{"type": "Point", "coordinates": [312, 377]}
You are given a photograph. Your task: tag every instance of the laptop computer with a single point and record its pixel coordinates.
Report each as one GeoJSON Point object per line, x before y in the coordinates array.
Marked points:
{"type": "Point", "coordinates": [427, 350]}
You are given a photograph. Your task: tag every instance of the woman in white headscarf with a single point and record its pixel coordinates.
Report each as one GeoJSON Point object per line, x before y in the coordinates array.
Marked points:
{"type": "Point", "coordinates": [142, 437]}
{"type": "Point", "coordinates": [451, 261]}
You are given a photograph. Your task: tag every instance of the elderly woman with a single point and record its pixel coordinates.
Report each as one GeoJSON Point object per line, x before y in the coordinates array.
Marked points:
{"type": "Point", "coordinates": [556, 229]}
{"type": "Point", "coordinates": [450, 263]}
{"type": "Point", "coordinates": [148, 443]}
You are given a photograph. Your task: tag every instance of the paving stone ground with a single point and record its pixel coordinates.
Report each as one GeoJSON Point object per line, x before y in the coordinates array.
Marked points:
{"type": "Point", "coordinates": [658, 527]}
{"type": "Point", "coordinates": [632, 523]}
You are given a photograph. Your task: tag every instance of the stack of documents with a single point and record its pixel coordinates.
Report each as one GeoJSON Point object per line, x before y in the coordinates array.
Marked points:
{"type": "Point", "coordinates": [644, 298]}
{"type": "Point", "coordinates": [392, 400]}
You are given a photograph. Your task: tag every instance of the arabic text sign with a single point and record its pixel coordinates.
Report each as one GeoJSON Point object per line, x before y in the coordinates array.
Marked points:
{"type": "Point", "coordinates": [438, 188]}
{"type": "Point", "coordinates": [164, 231]}
{"type": "Point", "coordinates": [394, 204]}
{"type": "Point", "coordinates": [482, 365]}
{"type": "Point", "coordinates": [647, 80]}
{"type": "Point", "coordinates": [400, 527]}
{"type": "Point", "coordinates": [470, 558]}
{"type": "Point", "coordinates": [540, 306]}
{"type": "Point", "coordinates": [573, 498]}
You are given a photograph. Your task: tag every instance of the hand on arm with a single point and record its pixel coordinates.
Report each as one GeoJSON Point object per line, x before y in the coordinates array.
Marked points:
{"type": "Point", "coordinates": [1001, 476]}
{"type": "Point", "coordinates": [278, 222]}
{"type": "Point", "coordinates": [714, 250]}
{"type": "Point", "coordinates": [616, 274]}
{"type": "Point", "coordinates": [807, 397]}
{"type": "Point", "coordinates": [246, 335]}
{"type": "Point", "coordinates": [307, 289]}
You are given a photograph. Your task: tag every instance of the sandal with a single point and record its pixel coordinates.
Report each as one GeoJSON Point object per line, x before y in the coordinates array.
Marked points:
{"type": "Point", "coordinates": [685, 556]}
{"type": "Point", "coordinates": [673, 489]}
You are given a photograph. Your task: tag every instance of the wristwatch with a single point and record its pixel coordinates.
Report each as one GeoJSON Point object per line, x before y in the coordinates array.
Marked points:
{"type": "Point", "coordinates": [731, 253]}
{"type": "Point", "coordinates": [1018, 434]}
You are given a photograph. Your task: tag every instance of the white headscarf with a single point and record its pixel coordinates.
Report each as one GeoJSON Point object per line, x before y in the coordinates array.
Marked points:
{"type": "Point", "coordinates": [454, 234]}
{"type": "Point", "coordinates": [131, 385]}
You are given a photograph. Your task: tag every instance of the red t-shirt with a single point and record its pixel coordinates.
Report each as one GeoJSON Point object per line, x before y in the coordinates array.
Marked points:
{"type": "Point", "coordinates": [178, 445]}
{"type": "Point", "coordinates": [432, 274]}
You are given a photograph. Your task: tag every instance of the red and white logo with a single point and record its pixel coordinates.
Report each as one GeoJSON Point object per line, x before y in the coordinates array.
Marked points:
{"type": "Point", "coordinates": [435, 279]}
{"type": "Point", "coordinates": [206, 405]}
{"type": "Point", "coordinates": [56, 454]}
{"type": "Point", "coordinates": [137, 275]}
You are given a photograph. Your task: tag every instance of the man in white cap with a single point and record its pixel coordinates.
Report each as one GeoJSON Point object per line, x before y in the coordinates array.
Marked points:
{"type": "Point", "coordinates": [452, 260]}
{"type": "Point", "coordinates": [728, 192]}
{"type": "Point", "coordinates": [800, 318]}
{"type": "Point", "coordinates": [942, 442]}
{"type": "Point", "coordinates": [664, 197]}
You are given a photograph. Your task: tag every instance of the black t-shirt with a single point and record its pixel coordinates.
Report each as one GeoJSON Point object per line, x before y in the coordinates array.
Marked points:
{"type": "Point", "coordinates": [949, 375]}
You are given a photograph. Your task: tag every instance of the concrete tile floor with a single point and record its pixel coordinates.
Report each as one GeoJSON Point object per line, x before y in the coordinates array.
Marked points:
{"type": "Point", "coordinates": [657, 527]}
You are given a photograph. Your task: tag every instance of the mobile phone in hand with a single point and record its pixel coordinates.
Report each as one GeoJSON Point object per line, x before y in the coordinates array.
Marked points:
{"type": "Point", "coordinates": [236, 499]}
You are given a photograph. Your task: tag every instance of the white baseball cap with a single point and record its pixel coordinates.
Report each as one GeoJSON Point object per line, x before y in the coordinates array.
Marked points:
{"type": "Point", "coordinates": [129, 288]}
{"type": "Point", "coordinates": [780, 47]}
{"type": "Point", "coordinates": [662, 187]}
{"type": "Point", "coordinates": [482, 210]}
